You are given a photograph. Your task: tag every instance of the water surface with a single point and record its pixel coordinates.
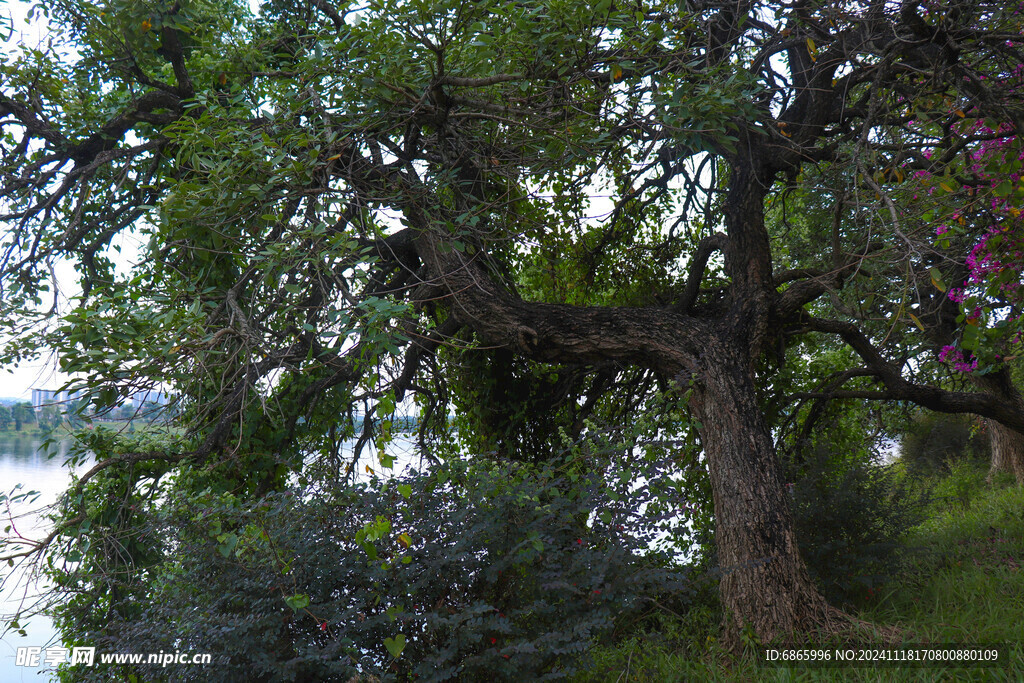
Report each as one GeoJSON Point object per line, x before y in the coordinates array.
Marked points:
{"type": "Point", "coordinates": [23, 462]}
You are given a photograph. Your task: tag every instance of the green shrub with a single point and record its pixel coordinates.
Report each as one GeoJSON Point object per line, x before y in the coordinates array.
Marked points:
{"type": "Point", "coordinates": [964, 480]}
{"type": "Point", "coordinates": [484, 572]}
{"type": "Point", "coordinates": [934, 441]}
{"type": "Point", "coordinates": [849, 518]}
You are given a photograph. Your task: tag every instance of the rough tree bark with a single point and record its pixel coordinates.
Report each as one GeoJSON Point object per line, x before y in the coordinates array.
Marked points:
{"type": "Point", "coordinates": [764, 581]}
{"type": "Point", "coordinates": [1007, 444]}
{"type": "Point", "coordinates": [1007, 450]}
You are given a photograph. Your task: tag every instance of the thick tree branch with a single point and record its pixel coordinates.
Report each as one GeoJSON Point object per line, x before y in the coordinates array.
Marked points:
{"type": "Point", "coordinates": [900, 388]}
{"type": "Point", "coordinates": [557, 333]}
{"type": "Point", "coordinates": [144, 109]}
{"type": "Point", "coordinates": [695, 274]}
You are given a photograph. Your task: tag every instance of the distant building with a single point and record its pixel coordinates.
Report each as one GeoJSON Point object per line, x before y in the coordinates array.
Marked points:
{"type": "Point", "coordinates": [147, 403]}
{"type": "Point", "coordinates": [64, 400]}
{"type": "Point", "coordinates": [149, 398]}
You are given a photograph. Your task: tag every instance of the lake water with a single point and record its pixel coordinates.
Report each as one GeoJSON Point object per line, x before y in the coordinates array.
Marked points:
{"type": "Point", "coordinates": [22, 462]}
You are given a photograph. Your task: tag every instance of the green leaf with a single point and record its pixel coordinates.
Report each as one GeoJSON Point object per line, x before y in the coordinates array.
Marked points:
{"type": "Point", "coordinates": [395, 645]}
{"type": "Point", "coordinates": [970, 338]}
{"type": "Point", "coordinates": [227, 543]}
{"type": "Point", "coordinates": [298, 601]}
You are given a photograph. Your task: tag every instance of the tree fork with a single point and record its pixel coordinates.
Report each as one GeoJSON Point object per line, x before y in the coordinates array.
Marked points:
{"type": "Point", "coordinates": [765, 582]}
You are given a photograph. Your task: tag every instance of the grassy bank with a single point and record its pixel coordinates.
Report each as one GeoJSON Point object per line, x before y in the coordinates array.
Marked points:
{"type": "Point", "coordinates": [962, 581]}
{"type": "Point", "coordinates": [34, 431]}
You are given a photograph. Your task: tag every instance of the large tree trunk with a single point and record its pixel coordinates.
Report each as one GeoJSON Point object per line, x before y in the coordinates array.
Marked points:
{"type": "Point", "coordinates": [1007, 450]}
{"type": "Point", "coordinates": [1007, 444]}
{"type": "Point", "coordinates": [764, 582]}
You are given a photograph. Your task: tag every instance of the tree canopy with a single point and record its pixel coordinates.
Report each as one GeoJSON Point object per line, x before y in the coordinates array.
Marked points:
{"type": "Point", "coordinates": [527, 217]}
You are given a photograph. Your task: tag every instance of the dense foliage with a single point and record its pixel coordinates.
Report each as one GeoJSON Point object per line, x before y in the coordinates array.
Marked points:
{"type": "Point", "coordinates": [850, 522]}
{"type": "Point", "coordinates": [931, 445]}
{"type": "Point", "coordinates": [467, 572]}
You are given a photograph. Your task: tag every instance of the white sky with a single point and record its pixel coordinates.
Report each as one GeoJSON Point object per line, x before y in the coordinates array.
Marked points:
{"type": "Point", "coordinates": [17, 382]}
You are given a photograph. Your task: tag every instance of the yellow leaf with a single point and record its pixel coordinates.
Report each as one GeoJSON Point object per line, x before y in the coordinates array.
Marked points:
{"type": "Point", "coordinates": [948, 187]}
{"type": "Point", "coordinates": [959, 113]}
{"type": "Point", "coordinates": [369, 470]}
{"type": "Point", "coordinates": [916, 322]}
{"type": "Point", "coordinates": [405, 540]}
{"type": "Point", "coordinates": [812, 49]}
{"type": "Point", "coordinates": [616, 72]}
{"type": "Point", "coordinates": [146, 25]}
{"type": "Point", "coordinates": [336, 156]}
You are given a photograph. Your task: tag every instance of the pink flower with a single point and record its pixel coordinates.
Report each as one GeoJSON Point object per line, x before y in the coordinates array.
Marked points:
{"type": "Point", "coordinates": [966, 367]}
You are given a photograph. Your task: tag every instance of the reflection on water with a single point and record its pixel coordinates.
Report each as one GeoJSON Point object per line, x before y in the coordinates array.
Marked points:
{"type": "Point", "coordinates": [22, 462]}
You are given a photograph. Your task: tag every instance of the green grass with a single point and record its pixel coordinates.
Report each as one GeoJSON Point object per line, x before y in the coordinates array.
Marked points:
{"type": "Point", "coordinates": [33, 430]}
{"type": "Point", "coordinates": [962, 582]}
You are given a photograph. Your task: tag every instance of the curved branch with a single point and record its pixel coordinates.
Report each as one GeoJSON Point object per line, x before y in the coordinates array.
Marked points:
{"type": "Point", "coordinates": [651, 337]}
{"type": "Point", "coordinates": [708, 245]}
{"type": "Point", "coordinates": [900, 388]}
{"type": "Point", "coordinates": [816, 283]}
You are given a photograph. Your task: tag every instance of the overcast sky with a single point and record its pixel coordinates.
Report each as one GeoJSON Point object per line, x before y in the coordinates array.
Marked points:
{"type": "Point", "coordinates": [18, 381]}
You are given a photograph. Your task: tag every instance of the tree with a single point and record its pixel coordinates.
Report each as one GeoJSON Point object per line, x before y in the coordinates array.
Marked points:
{"type": "Point", "coordinates": [345, 206]}
{"type": "Point", "coordinates": [5, 417]}
{"type": "Point", "coordinates": [50, 418]}
{"type": "Point", "coordinates": [23, 414]}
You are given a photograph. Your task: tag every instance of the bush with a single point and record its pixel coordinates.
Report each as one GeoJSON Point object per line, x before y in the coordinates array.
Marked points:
{"type": "Point", "coordinates": [849, 517]}
{"type": "Point", "coordinates": [469, 572]}
{"type": "Point", "coordinates": [965, 479]}
{"type": "Point", "coordinates": [934, 441]}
